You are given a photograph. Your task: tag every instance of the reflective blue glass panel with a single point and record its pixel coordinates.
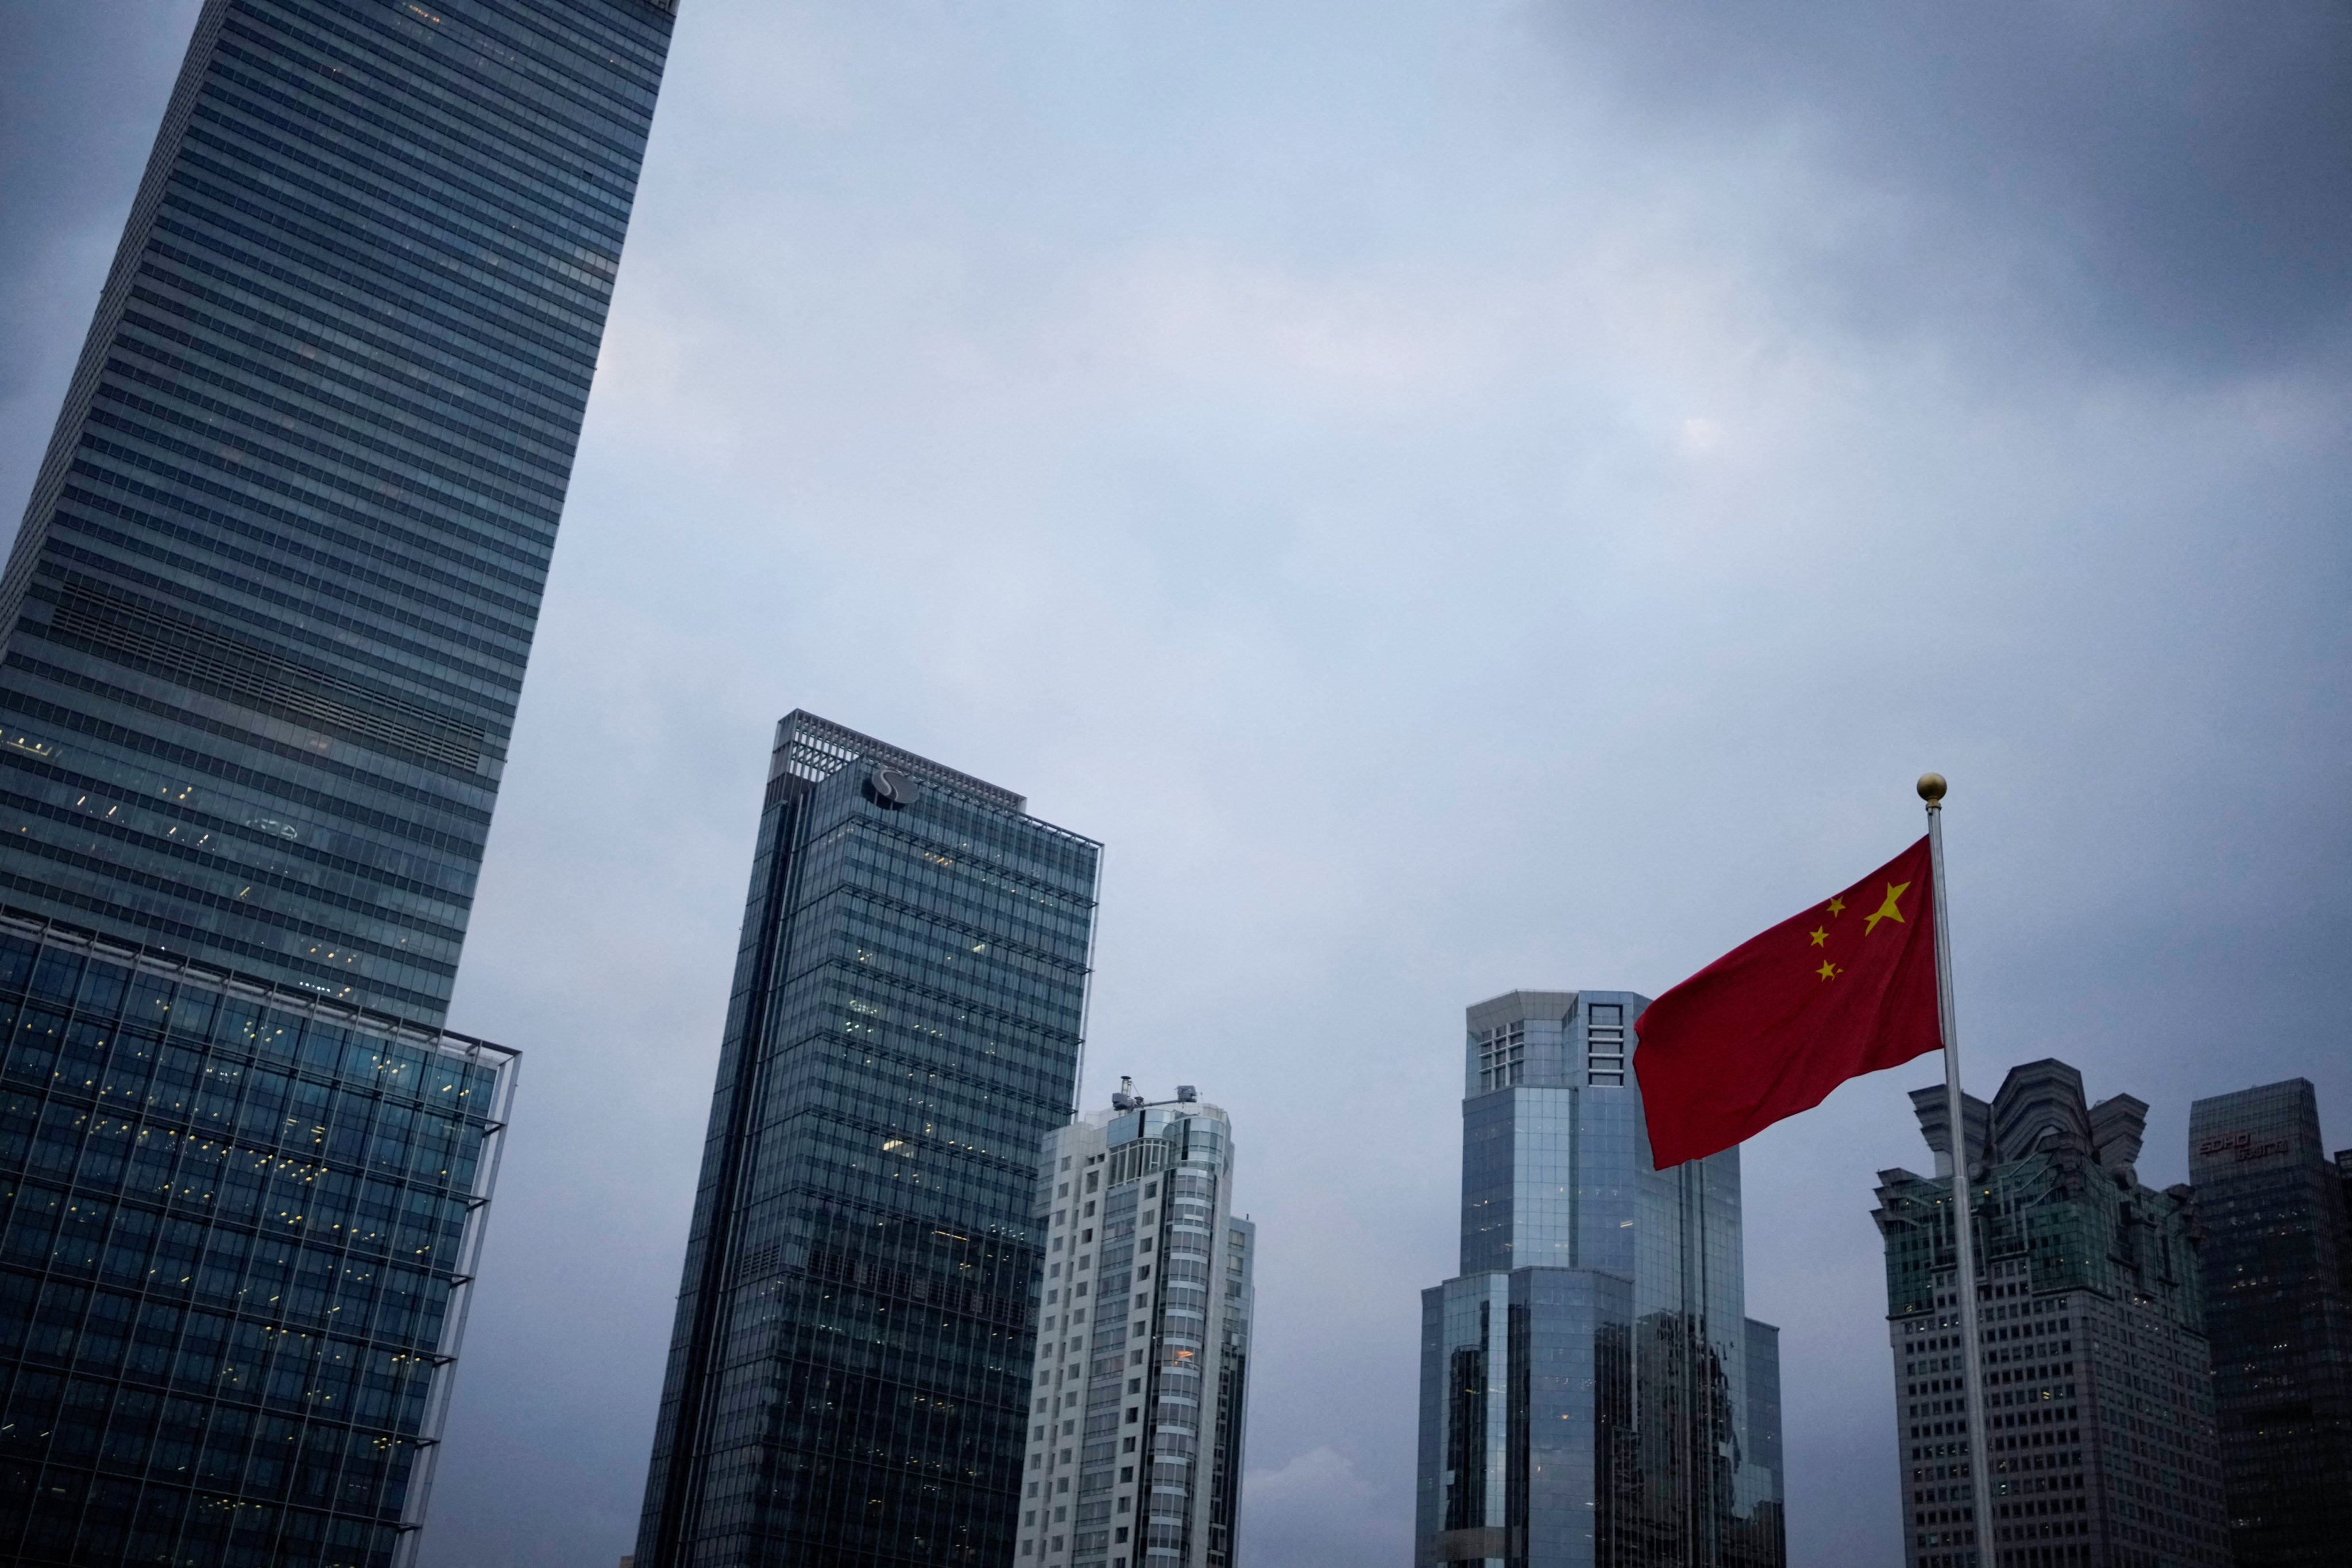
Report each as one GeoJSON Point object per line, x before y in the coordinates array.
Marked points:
{"type": "Point", "coordinates": [236, 1238]}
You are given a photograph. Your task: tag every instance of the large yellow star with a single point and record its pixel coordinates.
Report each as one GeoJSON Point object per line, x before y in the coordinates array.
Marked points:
{"type": "Point", "coordinates": [1827, 971]}
{"type": "Point", "coordinates": [1887, 911]}
{"type": "Point", "coordinates": [1819, 936]}
{"type": "Point", "coordinates": [1837, 906]}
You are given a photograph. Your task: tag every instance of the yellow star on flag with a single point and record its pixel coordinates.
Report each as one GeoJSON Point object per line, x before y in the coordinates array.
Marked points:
{"type": "Point", "coordinates": [1887, 911]}
{"type": "Point", "coordinates": [1827, 971]}
{"type": "Point", "coordinates": [1837, 906]}
{"type": "Point", "coordinates": [1819, 936]}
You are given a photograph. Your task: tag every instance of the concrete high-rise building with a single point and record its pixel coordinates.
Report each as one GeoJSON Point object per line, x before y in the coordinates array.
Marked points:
{"type": "Point", "coordinates": [1139, 1394]}
{"type": "Point", "coordinates": [849, 1378]}
{"type": "Point", "coordinates": [265, 627]}
{"type": "Point", "coordinates": [1593, 1392]}
{"type": "Point", "coordinates": [2277, 1273]}
{"type": "Point", "coordinates": [2098, 1388]}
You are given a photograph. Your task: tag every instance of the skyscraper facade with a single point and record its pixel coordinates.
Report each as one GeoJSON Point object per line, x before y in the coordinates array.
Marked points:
{"type": "Point", "coordinates": [267, 613]}
{"type": "Point", "coordinates": [2277, 1275]}
{"type": "Point", "coordinates": [2098, 1389]}
{"type": "Point", "coordinates": [264, 626]}
{"type": "Point", "coordinates": [1137, 1415]}
{"type": "Point", "coordinates": [848, 1377]}
{"type": "Point", "coordinates": [1593, 1392]}
{"type": "Point", "coordinates": [241, 1226]}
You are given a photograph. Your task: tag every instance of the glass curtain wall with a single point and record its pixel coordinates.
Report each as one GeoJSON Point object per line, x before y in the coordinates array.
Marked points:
{"type": "Point", "coordinates": [2277, 1280]}
{"type": "Point", "coordinates": [1587, 1380]}
{"type": "Point", "coordinates": [849, 1367]}
{"type": "Point", "coordinates": [239, 1233]}
{"type": "Point", "coordinates": [267, 615]}
{"type": "Point", "coordinates": [264, 629]}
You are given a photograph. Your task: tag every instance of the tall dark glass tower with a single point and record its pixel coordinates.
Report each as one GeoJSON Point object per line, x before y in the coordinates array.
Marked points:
{"type": "Point", "coordinates": [1593, 1392]}
{"type": "Point", "coordinates": [269, 609]}
{"type": "Point", "coordinates": [2278, 1304]}
{"type": "Point", "coordinates": [849, 1378]}
{"type": "Point", "coordinates": [265, 626]}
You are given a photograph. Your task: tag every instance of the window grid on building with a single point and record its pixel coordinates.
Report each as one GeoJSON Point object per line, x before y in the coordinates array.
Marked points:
{"type": "Point", "coordinates": [1152, 1477]}
{"type": "Point", "coordinates": [1591, 1389]}
{"type": "Point", "coordinates": [2099, 1426]}
{"type": "Point", "coordinates": [1604, 1044]}
{"type": "Point", "coordinates": [860, 1263]}
{"type": "Point", "coordinates": [1501, 1056]}
{"type": "Point", "coordinates": [266, 618]}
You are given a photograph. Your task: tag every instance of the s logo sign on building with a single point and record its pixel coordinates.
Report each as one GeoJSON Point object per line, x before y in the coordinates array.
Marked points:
{"type": "Point", "coordinates": [890, 789]}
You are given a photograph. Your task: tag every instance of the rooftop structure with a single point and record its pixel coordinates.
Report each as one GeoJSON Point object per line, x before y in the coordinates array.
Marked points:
{"type": "Point", "coordinates": [2099, 1402]}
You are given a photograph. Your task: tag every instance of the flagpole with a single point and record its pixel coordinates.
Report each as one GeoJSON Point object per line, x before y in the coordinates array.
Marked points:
{"type": "Point", "coordinates": [1931, 790]}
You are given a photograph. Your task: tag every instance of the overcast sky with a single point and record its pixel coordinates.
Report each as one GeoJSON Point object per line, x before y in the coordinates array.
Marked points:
{"type": "Point", "coordinates": [1458, 497]}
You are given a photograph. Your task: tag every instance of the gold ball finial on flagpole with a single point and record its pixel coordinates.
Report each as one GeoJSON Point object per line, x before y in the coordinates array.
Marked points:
{"type": "Point", "coordinates": [1931, 788]}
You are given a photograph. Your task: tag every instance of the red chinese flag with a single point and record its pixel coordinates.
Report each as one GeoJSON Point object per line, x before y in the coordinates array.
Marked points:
{"type": "Point", "coordinates": [1770, 1027]}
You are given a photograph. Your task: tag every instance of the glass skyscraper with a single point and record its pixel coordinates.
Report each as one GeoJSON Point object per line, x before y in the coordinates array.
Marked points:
{"type": "Point", "coordinates": [1137, 1416]}
{"type": "Point", "coordinates": [2277, 1273]}
{"type": "Point", "coordinates": [848, 1377]}
{"type": "Point", "coordinates": [242, 1224]}
{"type": "Point", "coordinates": [267, 615]}
{"type": "Point", "coordinates": [1593, 1392]}
{"type": "Point", "coordinates": [2098, 1384]}
{"type": "Point", "coordinates": [265, 626]}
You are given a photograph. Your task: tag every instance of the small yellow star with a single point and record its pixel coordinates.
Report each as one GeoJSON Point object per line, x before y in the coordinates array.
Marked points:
{"type": "Point", "coordinates": [1837, 906]}
{"type": "Point", "coordinates": [1819, 936]}
{"type": "Point", "coordinates": [1827, 971]}
{"type": "Point", "coordinates": [1887, 911]}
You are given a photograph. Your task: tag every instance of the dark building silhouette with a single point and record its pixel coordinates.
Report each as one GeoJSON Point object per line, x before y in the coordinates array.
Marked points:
{"type": "Point", "coordinates": [2278, 1305]}
{"type": "Point", "coordinates": [848, 1377]}
{"type": "Point", "coordinates": [2099, 1402]}
{"type": "Point", "coordinates": [265, 626]}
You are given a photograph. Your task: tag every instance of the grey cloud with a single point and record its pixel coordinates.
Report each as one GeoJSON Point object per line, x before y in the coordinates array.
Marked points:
{"type": "Point", "coordinates": [1315, 1511]}
{"type": "Point", "coordinates": [2162, 185]}
{"type": "Point", "coordinates": [81, 89]}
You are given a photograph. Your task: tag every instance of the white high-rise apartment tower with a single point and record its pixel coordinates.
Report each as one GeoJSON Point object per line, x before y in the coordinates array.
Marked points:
{"type": "Point", "coordinates": [1135, 1436]}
